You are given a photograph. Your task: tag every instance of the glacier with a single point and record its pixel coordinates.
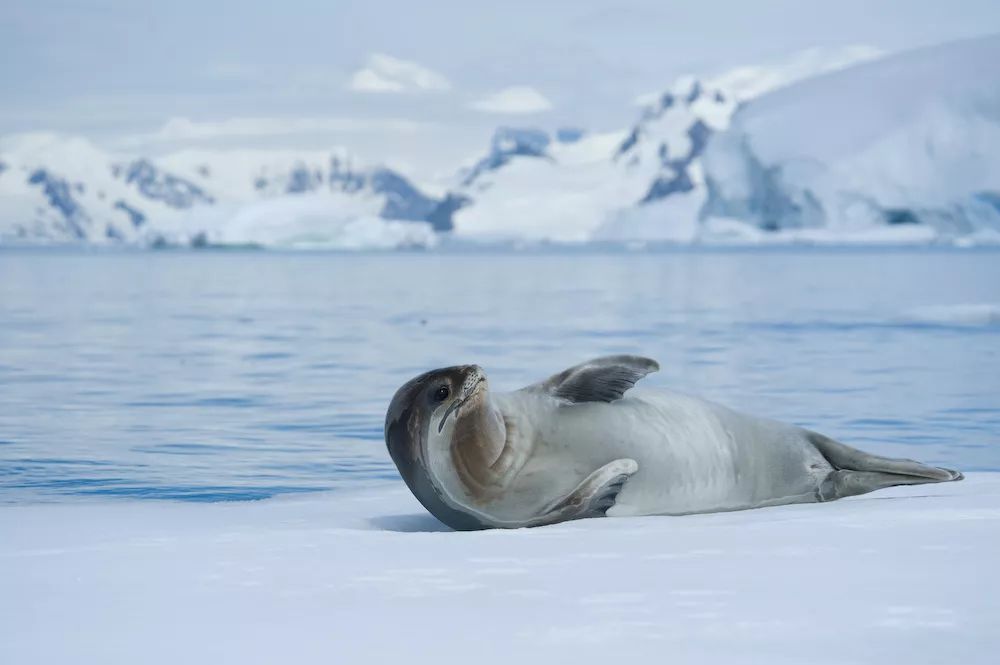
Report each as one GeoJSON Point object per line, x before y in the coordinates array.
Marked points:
{"type": "Point", "coordinates": [905, 146]}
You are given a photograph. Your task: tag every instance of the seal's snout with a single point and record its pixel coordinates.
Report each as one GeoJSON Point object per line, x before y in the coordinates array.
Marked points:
{"type": "Point", "coordinates": [475, 377]}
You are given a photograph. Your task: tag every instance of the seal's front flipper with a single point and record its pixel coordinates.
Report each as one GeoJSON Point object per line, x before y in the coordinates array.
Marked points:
{"type": "Point", "coordinates": [592, 497]}
{"type": "Point", "coordinates": [599, 380]}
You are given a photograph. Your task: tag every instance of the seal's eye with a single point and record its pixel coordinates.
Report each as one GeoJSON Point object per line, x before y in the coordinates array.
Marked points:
{"type": "Point", "coordinates": [441, 394]}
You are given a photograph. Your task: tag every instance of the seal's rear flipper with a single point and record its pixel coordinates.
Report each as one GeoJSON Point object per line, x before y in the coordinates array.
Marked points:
{"type": "Point", "coordinates": [592, 497]}
{"type": "Point", "coordinates": [842, 483]}
{"type": "Point", "coordinates": [857, 472]}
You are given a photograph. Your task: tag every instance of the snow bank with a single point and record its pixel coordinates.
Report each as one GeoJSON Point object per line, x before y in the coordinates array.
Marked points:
{"type": "Point", "coordinates": [901, 576]}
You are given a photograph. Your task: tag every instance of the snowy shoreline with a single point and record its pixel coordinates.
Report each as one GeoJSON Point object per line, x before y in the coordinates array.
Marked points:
{"type": "Point", "coordinates": [447, 245]}
{"type": "Point", "coordinates": [903, 575]}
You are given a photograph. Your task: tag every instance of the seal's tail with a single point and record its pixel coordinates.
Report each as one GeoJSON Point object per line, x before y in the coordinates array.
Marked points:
{"type": "Point", "coordinates": [857, 472]}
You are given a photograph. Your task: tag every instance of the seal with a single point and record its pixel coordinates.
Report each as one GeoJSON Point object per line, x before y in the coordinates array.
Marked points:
{"type": "Point", "coordinates": [583, 444]}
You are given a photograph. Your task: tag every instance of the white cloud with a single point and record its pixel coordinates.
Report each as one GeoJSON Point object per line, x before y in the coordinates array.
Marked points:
{"type": "Point", "coordinates": [384, 73]}
{"type": "Point", "coordinates": [515, 99]}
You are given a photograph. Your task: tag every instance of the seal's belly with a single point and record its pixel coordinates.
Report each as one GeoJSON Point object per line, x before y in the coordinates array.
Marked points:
{"type": "Point", "coordinates": [693, 456]}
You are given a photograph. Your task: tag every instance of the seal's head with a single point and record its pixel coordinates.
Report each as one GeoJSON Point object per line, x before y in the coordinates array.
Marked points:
{"type": "Point", "coordinates": [443, 434]}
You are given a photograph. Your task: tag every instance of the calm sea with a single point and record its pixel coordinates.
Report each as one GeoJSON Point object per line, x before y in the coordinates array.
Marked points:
{"type": "Point", "coordinates": [210, 376]}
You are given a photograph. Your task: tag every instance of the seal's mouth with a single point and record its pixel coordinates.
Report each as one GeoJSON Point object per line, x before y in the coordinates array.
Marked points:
{"type": "Point", "coordinates": [459, 402]}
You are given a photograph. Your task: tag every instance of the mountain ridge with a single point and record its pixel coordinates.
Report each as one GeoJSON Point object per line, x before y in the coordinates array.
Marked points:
{"type": "Point", "coordinates": [708, 160]}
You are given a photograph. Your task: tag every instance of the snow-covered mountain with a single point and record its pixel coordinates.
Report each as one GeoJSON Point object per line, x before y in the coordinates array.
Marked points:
{"type": "Point", "coordinates": [643, 183]}
{"type": "Point", "coordinates": [904, 147]}
{"type": "Point", "coordinates": [59, 189]}
{"type": "Point", "coordinates": [827, 146]}
{"type": "Point", "coordinates": [532, 187]}
{"type": "Point", "coordinates": [569, 187]}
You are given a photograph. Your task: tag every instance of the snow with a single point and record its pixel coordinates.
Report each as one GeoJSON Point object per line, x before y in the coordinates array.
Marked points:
{"type": "Point", "coordinates": [904, 575]}
{"type": "Point", "coordinates": [748, 81]}
{"type": "Point", "coordinates": [66, 189]}
{"type": "Point", "coordinates": [905, 140]}
{"type": "Point", "coordinates": [314, 221]}
{"type": "Point", "coordinates": [233, 173]}
{"type": "Point", "coordinates": [562, 196]}
{"type": "Point", "coordinates": [61, 189]}
{"type": "Point", "coordinates": [751, 81]}
{"type": "Point", "coordinates": [603, 187]}
{"type": "Point", "coordinates": [673, 220]}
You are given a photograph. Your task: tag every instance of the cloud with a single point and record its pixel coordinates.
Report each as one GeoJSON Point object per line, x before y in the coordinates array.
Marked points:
{"type": "Point", "coordinates": [182, 129]}
{"type": "Point", "coordinates": [515, 99]}
{"type": "Point", "coordinates": [384, 73]}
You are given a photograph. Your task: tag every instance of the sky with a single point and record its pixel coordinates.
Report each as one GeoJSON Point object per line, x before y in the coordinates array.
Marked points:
{"type": "Point", "coordinates": [420, 86]}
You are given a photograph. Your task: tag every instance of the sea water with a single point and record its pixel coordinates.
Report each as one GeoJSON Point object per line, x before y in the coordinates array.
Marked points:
{"type": "Point", "coordinates": [209, 376]}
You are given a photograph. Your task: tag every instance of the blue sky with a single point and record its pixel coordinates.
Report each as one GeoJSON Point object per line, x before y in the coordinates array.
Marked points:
{"type": "Point", "coordinates": [399, 81]}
